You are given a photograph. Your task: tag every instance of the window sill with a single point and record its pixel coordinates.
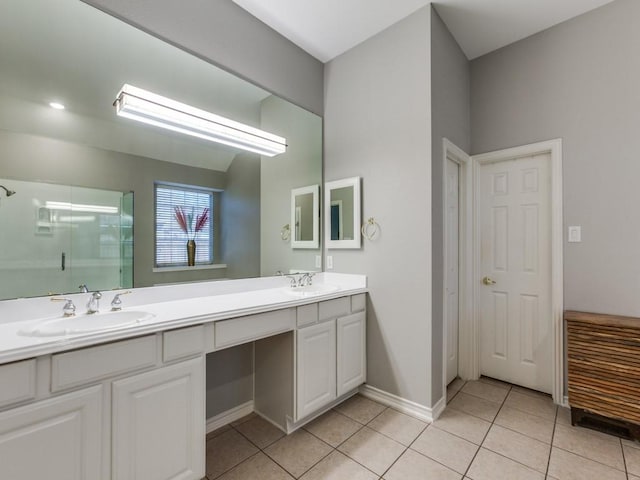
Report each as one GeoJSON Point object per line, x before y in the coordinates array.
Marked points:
{"type": "Point", "coordinates": [184, 268]}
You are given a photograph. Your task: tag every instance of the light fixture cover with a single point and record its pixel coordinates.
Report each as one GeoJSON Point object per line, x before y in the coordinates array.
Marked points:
{"type": "Point", "coordinates": [147, 107]}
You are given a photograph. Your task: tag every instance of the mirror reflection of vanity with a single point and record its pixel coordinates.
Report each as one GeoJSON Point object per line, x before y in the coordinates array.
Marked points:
{"type": "Point", "coordinates": [342, 213]}
{"type": "Point", "coordinates": [71, 53]}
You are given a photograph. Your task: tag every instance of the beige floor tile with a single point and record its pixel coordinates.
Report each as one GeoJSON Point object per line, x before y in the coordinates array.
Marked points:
{"type": "Point", "coordinates": [372, 449]}
{"type": "Point", "coordinates": [539, 406]}
{"type": "Point", "coordinates": [633, 477]}
{"type": "Point", "coordinates": [564, 416]}
{"type": "Point", "coordinates": [246, 418]}
{"type": "Point", "coordinates": [333, 427]}
{"type": "Point", "coordinates": [258, 467]}
{"type": "Point", "coordinates": [632, 459]}
{"type": "Point", "coordinates": [338, 467]}
{"type": "Point", "coordinates": [360, 409]}
{"type": "Point", "coordinates": [569, 466]}
{"type": "Point", "coordinates": [218, 431]}
{"type": "Point", "coordinates": [630, 443]}
{"type": "Point", "coordinates": [476, 406]}
{"type": "Point", "coordinates": [528, 391]}
{"type": "Point", "coordinates": [443, 447]}
{"type": "Point", "coordinates": [463, 425]}
{"type": "Point", "coordinates": [497, 383]}
{"type": "Point", "coordinates": [260, 432]}
{"type": "Point", "coordinates": [594, 445]}
{"type": "Point", "coordinates": [298, 452]}
{"type": "Point", "coordinates": [226, 451]}
{"type": "Point", "coordinates": [455, 385]}
{"type": "Point", "coordinates": [400, 427]}
{"type": "Point", "coordinates": [518, 447]}
{"type": "Point", "coordinates": [413, 466]}
{"type": "Point", "coordinates": [534, 427]}
{"type": "Point", "coordinates": [490, 466]}
{"type": "Point", "coordinates": [485, 390]}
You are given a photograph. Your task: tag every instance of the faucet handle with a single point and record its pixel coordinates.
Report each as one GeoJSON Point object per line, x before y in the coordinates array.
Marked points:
{"type": "Point", "coordinates": [69, 309]}
{"type": "Point", "coordinates": [294, 280]}
{"type": "Point", "coordinates": [116, 303]}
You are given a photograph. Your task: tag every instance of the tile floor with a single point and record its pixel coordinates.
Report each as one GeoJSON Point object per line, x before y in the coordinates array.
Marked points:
{"type": "Point", "coordinates": [489, 431]}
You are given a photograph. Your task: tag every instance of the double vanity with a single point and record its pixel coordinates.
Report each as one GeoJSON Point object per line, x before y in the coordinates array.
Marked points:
{"type": "Point", "coordinates": [121, 395]}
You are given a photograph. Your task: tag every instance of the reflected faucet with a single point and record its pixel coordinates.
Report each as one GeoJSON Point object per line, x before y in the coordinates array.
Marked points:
{"type": "Point", "coordinates": [83, 288]}
{"type": "Point", "coordinates": [93, 305]}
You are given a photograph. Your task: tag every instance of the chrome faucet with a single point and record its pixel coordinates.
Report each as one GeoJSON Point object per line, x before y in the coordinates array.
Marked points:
{"type": "Point", "coordinates": [116, 303]}
{"type": "Point", "coordinates": [69, 309]}
{"type": "Point", "coordinates": [93, 305]}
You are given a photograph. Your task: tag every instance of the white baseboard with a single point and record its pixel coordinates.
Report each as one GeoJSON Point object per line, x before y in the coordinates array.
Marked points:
{"type": "Point", "coordinates": [405, 406]}
{"type": "Point", "coordinates": [231, 415]}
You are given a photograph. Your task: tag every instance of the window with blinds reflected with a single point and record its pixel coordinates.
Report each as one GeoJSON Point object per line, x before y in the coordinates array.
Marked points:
{"type": "Point", "coordinates": [183, 213]}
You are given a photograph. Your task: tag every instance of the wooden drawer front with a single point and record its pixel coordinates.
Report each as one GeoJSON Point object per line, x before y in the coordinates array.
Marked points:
{"type": "Point", "coordinates": [307, 314]}
{"type": "Point", "coordinates": [18, 381]}
{"type": "Point", "coordinates": [604, 369]}
{"type": "Point", "coordinates": [253, 327]}
{"type": "Point", "coordinates": [358, 302]}
{"type": "Point", "coordinates": [97, 363]}
{"type": "Point", "coordinates": [338, 307]}
{"type": "Point", "coordinates": [183, 343]}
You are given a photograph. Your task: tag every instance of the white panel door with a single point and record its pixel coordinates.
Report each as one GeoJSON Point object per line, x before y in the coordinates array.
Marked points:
{"type": "Point", "coordinates": [515, 316]}
{"type": "Point", "coordinates": [351, 352]}
{"type": "Point", "coordinates": [452, 253]}
{"type": "Point", "coordinates": [316, 367]}
{"type": "Point", "coordinates": [159, 424]}
{"type": "Point", "coordinates": [57, 439]}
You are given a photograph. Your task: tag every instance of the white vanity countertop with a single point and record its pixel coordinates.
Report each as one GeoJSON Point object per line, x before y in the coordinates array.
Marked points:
{"type": "Point", "coordinates": [172, 306]}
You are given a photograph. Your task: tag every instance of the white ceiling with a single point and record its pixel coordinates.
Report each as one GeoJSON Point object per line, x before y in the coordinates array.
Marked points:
{"type": "Point", "coordinates": [328, 28]}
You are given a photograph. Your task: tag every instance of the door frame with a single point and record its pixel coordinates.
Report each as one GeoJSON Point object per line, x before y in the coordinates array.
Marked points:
{"type": "Point", "coordinates": [465, 256]}
{"type": "Point", "coordinates": [554, 149]}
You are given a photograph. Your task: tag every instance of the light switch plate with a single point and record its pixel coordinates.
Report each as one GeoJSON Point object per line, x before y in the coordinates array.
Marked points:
{"type": "Point", "coordinates": [575, 234]}
{"type": "Point", "coordinates": [318, 261]}
{"type": "Point", "coordinates": [329, 262]}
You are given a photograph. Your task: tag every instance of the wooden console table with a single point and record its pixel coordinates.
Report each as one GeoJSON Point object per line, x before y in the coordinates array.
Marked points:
{"type": "Point", "coordinates": [604, 372]}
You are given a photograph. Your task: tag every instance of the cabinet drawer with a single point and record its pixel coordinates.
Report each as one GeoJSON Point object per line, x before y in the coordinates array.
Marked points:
{"type": "Point", "coordinates": [186, 342]}
{"type": "Point", "coordinates": [253, 327]}
{"type": "Point", "coordinates": [96, 363]}
{"type": "Point", "coordinates": [18, 382]}
{"type": "Point", "coordinates": [338, 307]}
{"type": "Point", "coordinates": [358, 303]}
{"type": "Point", "coordinates": [307, 314]}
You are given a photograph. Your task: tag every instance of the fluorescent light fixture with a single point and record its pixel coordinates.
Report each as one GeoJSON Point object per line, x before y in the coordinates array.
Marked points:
{"type": "Point", "coordinates": [79, 207]}
{"type": "Point", "coordinates": [147, 107]}
{"type": "Point", "coordinates": [56, 105]}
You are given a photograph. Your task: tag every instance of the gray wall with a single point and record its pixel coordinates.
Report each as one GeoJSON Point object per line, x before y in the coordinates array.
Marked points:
{"type": "Point", "coordinates": [240, 238]}
{"type": "Point", "coordinates": [229, 378]}
{"type": "Point", "coordinates": [222, 33]}
{"type": "Point", "coordinates": [34, 158]}
{"type": "Point", "coordinates": [578, 81]}
{"type": "Point", "coordinates": [377, 126]}
{"type": "Point", "coordinates": [450, 118]}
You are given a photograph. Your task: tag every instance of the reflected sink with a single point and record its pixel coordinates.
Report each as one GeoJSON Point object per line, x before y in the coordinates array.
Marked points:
{"type": "Point", "coordinates": [86, 323]}
{"type": "Point", "coordinates": [311, 290]}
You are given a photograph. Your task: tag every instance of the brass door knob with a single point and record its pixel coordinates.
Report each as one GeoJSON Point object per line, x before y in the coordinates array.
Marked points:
{"type": "Point", "coordinates": [488, 281]}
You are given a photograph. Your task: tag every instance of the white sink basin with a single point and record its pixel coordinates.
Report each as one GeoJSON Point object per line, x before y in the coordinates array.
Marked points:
{"type": "Point", "coordinates": [311, 290]}
{"type": "Point", "coordinates": [86, 323]}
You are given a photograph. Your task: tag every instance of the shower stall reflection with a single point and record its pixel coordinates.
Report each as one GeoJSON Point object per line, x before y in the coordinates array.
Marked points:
{"type": "Point", "coordinates": [55, 237]}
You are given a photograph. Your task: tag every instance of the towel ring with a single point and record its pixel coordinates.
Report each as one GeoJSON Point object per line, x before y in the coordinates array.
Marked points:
{"type": "Point", "coordinates": [285, 233]}
{"type": "Point", "coordinates": [370, 229]}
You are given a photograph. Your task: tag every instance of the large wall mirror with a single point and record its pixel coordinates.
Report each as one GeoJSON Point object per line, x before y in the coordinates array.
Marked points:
{"type": "Point", "coordinates": [68, 52]}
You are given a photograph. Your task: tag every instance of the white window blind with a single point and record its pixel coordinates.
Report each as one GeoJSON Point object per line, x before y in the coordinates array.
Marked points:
{"type": "Point", "coordinates": [171, 241]}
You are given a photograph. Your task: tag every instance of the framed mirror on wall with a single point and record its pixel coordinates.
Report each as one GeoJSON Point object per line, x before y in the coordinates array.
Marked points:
{"type": "Point", "coordinates": [305, 217]}
{"type": "Point", "coordinates": [342, 213]}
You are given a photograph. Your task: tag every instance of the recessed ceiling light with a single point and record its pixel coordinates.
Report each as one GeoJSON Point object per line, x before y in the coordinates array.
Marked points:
{"type": "Point", "coordinates": [56, 105]}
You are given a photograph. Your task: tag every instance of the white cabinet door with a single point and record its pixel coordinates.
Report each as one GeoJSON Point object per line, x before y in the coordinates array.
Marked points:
{"type": "Point", "coordinates": [352, 369]}
{"type": "Point", "coordinates": [159, 424]}
{"type": "Point", "coordinates": [316, 374]}
{"type": "Point", "coordinates": [57, 439]}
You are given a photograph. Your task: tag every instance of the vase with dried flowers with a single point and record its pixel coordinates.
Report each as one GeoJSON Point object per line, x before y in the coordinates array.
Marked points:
{"type": "Point", "coordinates": [191, 225]}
